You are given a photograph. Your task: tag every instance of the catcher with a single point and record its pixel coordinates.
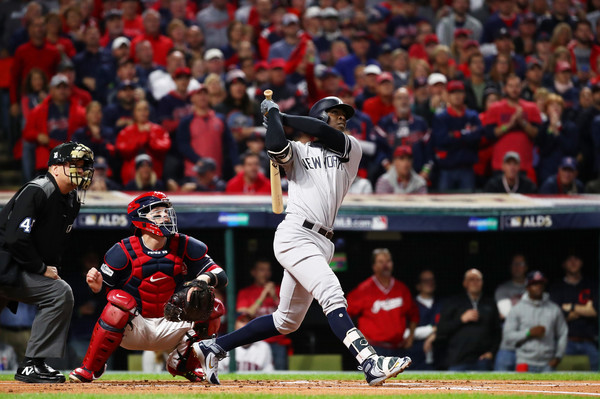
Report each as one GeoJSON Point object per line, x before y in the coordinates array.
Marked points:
{"type": "Point", "coordinates": [160, 292]}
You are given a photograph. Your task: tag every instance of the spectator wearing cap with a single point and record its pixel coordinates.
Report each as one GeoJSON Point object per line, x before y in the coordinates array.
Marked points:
{"type": "Point", "coordinates": [558, 137]}
{"type": "Point", "coordinates": [133, 24]}
{"type": "Point", "coordinates": [465, 50]}
{"type": "Point", "coordinates": [36, 53]}
{"type": "Point", "coordinates": [242, 114]}
{"type": "Point", "coordinates": [403, 27]}
{"type": "Point", "coordinates": [55, 36]}
{"type": "Point", "coordinates": [371, 73]}
{"type": "Point", "coordinates": [565, 181]}
{"type": "Point", "coordinates": [311, 21]}
{"type": "Point", "coordinates": [329, 81]}
{"type": "Point", "coordinates": [525, 41]}
{"type": "Point", "coordinates": [289, 98]}
{"type": "Point", "coordinates": [455, 137]}
{"type": "Point", "coordinates": [161, 82]}
{"type": "Point", "coordinates": [400, 177]}
{"type": "Point", "coordinates": [402, 128]}
{"type": "Point", "coordinates": [112, 58]}
{"type": "Point", "coordinates": [457, 19]}
{"type": "Point", "coordinates": [560, 14]}
{"type": "Point", "coordinates": [119, 114]}
{"type": "Point", "coordinates": [145, 177]}
{"type": "Point", "coordinates": [89, 61]}
{"type": "Point", "coordinates": [142, 136]}
{"type": "Point", "coordinates": [113, 27]}
{"type": "Point", "coordinates": [205, 178]}
{"type": "Point", "coordinates": [505, 46]}
{"type": "Point", "coordinates": [469, 327]}
{"type": "Point", "coordinates": [533, 78]}
{"type": "Point", "coordinates": [101, 180]}
{"type": "Point", "coordinates": [379, 40]}
{"type": "Point", "coordinates": [382, 104]}
{"type": "Point", "coordinates": [425, 45]}
{"type": "Point", "coordinates": [400, 68]}
{"type": "Point", "coordinates": [100, 139]}
{"type": "Point", "coordinates": [81, 96]}
{"type": "Point", "coordinates": [204, 133]}
{"type": "Point", "coordinates": [476, 83]}
{"type": "Point", "coordinates": [504, 18]}
{"type": "Point", "coordinates": [330, 32]}
{"type": "Point", "coordinates": [511, 180]}
{"type": "Point", "coordinates": [578, 299]}
{"type": "Point", "coordinates": [512, 125]}
{"type": "Point", "coordinates": [283, 48]}
{"type": "Point", "coordinates": [176, 104]}
{"type": "Point", "coordinates": [215, 61]}
{"type": "Point", "coordinates": [563, 85]}
{"type": "Point", "coordinates": [537, 328]}
{"type": "Point", "coordinates": [160, 43]}
{"type": "Point", "coordinates": [359, 56]}
{"type": "Point", "coordinates": [250, 180]}
{"type": "Point", "coordinates": [436, 100]}
{"type": "Point", "coordinates": [214, 19]}
{"type": "Point", "coordinates": [53, 121]}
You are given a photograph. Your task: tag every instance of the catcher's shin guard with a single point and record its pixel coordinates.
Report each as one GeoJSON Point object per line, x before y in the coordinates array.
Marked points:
{"type": "Point", "coordinates": [106, 337]}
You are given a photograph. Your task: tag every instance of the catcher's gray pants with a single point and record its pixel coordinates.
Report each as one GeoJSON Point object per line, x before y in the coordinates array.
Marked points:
{"type": "Point", "coordinates": [54, 300]}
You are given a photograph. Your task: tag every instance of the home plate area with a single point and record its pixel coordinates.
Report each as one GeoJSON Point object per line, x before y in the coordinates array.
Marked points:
{"type": "Point", "coordinates": [328, 387]}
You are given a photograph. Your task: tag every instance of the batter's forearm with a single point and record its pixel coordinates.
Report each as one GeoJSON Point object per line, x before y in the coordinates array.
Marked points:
{"type": "Point", "coordinates": [332, 138]}
{"type": "Point", "coordinates": [275, 140]}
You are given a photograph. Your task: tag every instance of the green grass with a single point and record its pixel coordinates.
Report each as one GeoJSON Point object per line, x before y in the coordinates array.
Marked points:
{"type": "Point", "coordinates": [276, 396]}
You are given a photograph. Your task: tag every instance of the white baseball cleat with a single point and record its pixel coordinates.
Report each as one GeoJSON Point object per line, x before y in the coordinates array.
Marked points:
{"type": "Point", "coordinates": [209, 354]}
{"type": "Point", "coordinates": [377, 369]}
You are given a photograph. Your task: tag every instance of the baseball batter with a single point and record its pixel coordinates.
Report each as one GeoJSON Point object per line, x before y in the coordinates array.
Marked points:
{"type": "Point", "coordinates": [140, 274]}
{"type": "Point", "coordinates": [320, 174]}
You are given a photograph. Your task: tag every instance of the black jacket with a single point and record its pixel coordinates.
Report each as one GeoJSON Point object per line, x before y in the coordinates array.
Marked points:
{"type": "Point", "coordinates": [467, 341]}
{"type": "Point", "coordinates": [34, 227]}
{"type": "Point", "coordinates": [495, 185]}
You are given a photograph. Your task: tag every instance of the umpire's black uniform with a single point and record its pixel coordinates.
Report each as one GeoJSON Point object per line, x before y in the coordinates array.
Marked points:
{"type": "Point", "coordinates": [34, 227]}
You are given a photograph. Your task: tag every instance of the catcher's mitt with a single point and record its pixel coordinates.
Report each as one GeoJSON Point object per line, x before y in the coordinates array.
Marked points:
{"type": "Point", "coordinates": [199, 307]}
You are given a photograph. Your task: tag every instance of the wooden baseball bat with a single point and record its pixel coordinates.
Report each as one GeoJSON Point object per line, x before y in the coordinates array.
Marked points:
{"type": "Point", "coordinates": [276, 194]}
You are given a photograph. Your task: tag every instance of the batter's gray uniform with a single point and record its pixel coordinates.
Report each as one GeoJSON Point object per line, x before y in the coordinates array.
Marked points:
{"type": "Point", "coordinates": [318, 181]}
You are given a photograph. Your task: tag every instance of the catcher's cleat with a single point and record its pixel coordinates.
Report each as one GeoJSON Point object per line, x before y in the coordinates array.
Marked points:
{"type": "Point", "coordinates": [377, 369]}
{"type": "Point", "coordinates": [209, 354]}
{"type": "Point", "coordinates": [195, 376]}
{"type": "Point", "coordinates": [38, 372]}
{"type": "Point", "coordinates": [81, 374]}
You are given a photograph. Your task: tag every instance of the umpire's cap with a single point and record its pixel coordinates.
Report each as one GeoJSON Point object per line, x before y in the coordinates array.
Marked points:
{"type": "Point", "coordinates": [319, 110]}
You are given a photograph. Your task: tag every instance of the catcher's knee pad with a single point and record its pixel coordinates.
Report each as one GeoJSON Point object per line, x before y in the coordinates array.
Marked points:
{"type": "Point", "coordinates": [108, 332]}
{"type": "Point", "coordinates": [182, 360]}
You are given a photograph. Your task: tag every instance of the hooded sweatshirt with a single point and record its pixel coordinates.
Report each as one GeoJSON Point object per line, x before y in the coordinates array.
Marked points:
{"type": "Point", "coordinates": [529, 313]}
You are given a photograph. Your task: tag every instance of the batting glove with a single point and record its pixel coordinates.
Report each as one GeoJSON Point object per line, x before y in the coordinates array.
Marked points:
{"type": "Point", "coordinates": [267, 105]}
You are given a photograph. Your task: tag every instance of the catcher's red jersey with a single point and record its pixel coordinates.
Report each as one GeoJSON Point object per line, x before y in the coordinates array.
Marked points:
{"type": "Point", "coordinates": [151, 277]}
{"type": "Point", "coordinates": [382, 313]}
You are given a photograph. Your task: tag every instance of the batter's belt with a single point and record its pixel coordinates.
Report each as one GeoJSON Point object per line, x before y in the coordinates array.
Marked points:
{"type": "Point", "coordinates": [312, 226]}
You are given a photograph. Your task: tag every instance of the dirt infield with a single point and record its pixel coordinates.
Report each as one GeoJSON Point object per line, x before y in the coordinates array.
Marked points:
{"type": "Point", "coordinates": [342, 388]}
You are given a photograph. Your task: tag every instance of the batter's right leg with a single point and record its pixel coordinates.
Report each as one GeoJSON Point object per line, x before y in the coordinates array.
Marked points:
{"type": "Point", "coordinates": [106, 337]}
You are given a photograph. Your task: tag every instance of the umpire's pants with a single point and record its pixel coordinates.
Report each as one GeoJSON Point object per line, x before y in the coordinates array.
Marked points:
{"type": "Point", "coordinates": [54, 299]}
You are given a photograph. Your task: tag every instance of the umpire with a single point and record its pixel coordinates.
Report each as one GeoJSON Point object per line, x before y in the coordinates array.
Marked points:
{"type": "Point", "coordinates": [34, 227]}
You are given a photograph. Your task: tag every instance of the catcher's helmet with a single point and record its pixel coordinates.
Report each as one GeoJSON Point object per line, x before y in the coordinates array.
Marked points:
{"type": "Point", "coordinates": [140, 211]}
{"type": "Point", "coordinates": [319, 110]}
{"type": "Point", "coordinates": [71, 152]}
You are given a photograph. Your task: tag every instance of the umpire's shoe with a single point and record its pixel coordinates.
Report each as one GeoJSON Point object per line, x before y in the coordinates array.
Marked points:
{"type": "Point", "coordinates": [37, 371]}
{"type": "Point", "coordinates": [209, 354]}
{"type": "Point", "coordinates": [377, 369]}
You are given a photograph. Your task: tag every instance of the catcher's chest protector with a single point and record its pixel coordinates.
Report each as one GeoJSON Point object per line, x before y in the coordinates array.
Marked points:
{"type": "Point", "coordinates": [154, 274]}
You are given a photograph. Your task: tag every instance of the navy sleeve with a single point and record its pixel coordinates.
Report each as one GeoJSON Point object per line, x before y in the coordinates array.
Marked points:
{"type": "Point", "coordinates": [116, 268]}
{"type": "Point", "coordinates": [333, 139]}
{"type": "Point", "coordinates": [198, 262]}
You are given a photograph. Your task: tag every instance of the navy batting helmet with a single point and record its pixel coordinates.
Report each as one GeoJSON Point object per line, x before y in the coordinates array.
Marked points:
{"type": "Point", "coordinates": [319, 110]}
{"type": "Point", "coordinates": [142, 213]}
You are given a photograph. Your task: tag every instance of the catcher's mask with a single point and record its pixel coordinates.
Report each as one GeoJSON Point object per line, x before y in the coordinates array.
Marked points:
{"type": "Point", "coordinates": [153, 212]}
{"type": "Point", "coordinates": [78, 164]}
{"type": "Point", "coordinates": [320, 108]}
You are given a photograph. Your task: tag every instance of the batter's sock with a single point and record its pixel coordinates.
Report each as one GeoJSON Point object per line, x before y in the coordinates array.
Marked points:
{"type": "Point", "coordinates": [258, 329]}
{"type": "Point", "coordinates": [344, 329]}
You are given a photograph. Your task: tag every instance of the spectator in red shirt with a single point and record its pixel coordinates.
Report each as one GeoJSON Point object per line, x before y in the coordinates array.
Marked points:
{"type": "Point", "coordinates": [34, 54]}
{"type": "Point", "coordinates": [133, 23]}
{"type": "Point", "coordinates": [55, 37]}
{"type": "Point", "coordinates": [513, 125]}
{"type": "Point", "coordinates": [259, 299]}
{"type": "Point", "coordinates": [384, 307]}
{"type": "Point", "coordinates": [53, 121]}
{"type": "Point", "coordinates": [250, 180]}
{"type": "Point", "coordinates": [142, 136]}
{"type": "Point", "coordinates": [160, 43]}
{"type": "Point", "coordinates": [382, 104]}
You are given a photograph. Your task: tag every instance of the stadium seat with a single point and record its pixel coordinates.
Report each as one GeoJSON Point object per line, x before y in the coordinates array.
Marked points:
{"type": "Point", "coordinates": [316, 362]}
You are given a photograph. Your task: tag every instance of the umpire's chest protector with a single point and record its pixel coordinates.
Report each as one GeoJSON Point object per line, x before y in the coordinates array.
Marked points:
{"type": "Point", "coordinates": [154, 274]}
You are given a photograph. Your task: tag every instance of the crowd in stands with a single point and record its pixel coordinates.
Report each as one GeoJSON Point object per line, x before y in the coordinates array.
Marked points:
{"type": "Point", "coordinates": [455, 96]}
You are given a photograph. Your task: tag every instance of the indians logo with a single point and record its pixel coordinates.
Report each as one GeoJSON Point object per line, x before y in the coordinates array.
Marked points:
{"type": "Point", "coordinates": [386, 304]}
